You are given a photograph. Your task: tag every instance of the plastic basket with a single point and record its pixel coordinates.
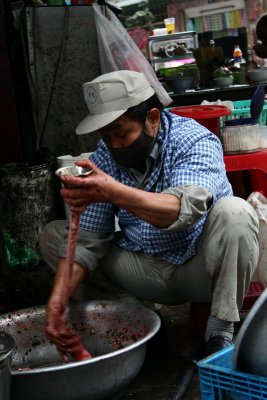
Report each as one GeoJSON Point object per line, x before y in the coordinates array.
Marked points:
{"type": "Point", "coordinates": [218, 380]}
{"type": "Point", "coordinates": [242, 110]}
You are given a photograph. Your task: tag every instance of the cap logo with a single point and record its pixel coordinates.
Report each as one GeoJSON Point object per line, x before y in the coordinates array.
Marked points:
{"type": "Point", "coordinates": [91, 96]}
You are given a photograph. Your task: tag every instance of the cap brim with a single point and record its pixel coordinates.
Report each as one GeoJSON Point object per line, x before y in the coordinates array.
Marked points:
{"type": "Point", "coordinates": [93, 122]}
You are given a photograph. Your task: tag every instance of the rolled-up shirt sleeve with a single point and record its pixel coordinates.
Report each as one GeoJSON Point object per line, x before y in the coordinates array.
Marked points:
{"type": "Point", "coordinates": [195, 202]}
{"type": "Point", "coordinates": [90, 247]}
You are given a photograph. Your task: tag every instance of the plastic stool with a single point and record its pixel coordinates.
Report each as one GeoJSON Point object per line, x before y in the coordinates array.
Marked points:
{"type": "Point", "coordinates": [255, 163]}
{"type": "Point", "coordinates": [200, 312]}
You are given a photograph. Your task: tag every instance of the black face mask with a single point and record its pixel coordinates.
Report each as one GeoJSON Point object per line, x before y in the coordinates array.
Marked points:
{"type": "Point", "coordinates": [134, 155]}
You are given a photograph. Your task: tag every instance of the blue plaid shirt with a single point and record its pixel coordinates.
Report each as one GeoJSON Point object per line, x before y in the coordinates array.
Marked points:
{"type": "Point", "coordinates": [190, 155]}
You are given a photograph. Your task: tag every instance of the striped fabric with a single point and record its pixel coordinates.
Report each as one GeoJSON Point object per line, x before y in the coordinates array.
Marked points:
{"type": "Point", "coordinates": [220, 22]}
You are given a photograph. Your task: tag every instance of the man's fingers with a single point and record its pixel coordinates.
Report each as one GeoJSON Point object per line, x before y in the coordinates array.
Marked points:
{"type": "Point", "coordinates": [87, 164]}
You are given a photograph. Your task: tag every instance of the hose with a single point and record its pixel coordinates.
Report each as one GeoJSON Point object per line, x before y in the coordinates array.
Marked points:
{"type": "Point", "coordinates": [187, 376]}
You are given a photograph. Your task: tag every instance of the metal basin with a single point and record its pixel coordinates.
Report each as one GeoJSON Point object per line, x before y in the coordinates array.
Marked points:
{"type": "Point", "coordinates": [115, 334]}
{"type": "Point", "coordinates": [250, 349]}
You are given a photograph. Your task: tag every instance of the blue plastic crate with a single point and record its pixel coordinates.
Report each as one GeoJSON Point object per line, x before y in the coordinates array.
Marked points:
{"type": "Point", "coordinates": [218, 380]}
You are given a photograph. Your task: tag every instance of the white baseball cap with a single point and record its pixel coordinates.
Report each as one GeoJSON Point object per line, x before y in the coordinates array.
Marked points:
{"type": "Point", "coordinates": [110, 95]}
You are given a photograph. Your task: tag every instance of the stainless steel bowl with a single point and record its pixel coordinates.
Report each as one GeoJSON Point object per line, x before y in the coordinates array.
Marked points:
{"type": "Point", "coordinates": [250, 349]}
{"type": "Point", "coordinates": [116, 335]}
{"type": "Point", "coordinates": [74, 170]}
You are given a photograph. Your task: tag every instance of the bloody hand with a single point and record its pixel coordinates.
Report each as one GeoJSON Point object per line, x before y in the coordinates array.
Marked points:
{"type": "Point", "coordinates": [66, 340]}
{"type": "Point", "coordinates": [68, 343]}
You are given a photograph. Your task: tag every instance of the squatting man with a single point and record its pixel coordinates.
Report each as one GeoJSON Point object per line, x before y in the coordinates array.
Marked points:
{"type": "Point", "coordinates": [182, 237]}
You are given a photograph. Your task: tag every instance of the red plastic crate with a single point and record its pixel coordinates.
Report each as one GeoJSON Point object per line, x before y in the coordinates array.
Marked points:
{"type": "Point", "coordinates": [254, 291]}
{"type": "Point", "coordinates": [200, 312]}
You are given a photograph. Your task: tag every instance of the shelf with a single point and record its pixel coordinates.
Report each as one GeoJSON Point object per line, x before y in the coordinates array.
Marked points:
{"type": "Point", "coordinates": [233, 93]}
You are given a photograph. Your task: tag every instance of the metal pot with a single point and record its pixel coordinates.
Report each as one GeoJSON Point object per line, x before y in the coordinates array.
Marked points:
{"type": "Point", "coordinates": [115, 334]}
{"type": "Point", "coordinates": [250, 349]}
{"type": "Point", "coordinates": [6, 348]}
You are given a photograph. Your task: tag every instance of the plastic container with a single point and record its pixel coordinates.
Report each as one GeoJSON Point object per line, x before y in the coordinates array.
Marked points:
{"type": "Point", "coordinates": [207, 115]}
{"type": "Point", "coordinates": [237, 54]}
{"type": "Point", "coordinates": [241, 139]}
{"type": "Point", "coordinates": [218, 380]}
{"type": "Point", "coordinates": [170, 24]}
{"type": "Point", "coordinates": [263, 130]}
{"type": "Point", "coordinates": [28, 201]}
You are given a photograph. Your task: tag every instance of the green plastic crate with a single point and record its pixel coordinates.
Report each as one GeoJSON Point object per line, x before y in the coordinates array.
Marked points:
{"type": "Point", "coordinates": [242, 110]}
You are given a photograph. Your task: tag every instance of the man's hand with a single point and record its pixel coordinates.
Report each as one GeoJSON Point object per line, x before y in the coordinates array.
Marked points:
{"type": "Point", "coordinates": [66, 340]}
{"type": "Point", "coordinates": [98, 187]}
{"type": "Point", "coordinates": [158, 209]}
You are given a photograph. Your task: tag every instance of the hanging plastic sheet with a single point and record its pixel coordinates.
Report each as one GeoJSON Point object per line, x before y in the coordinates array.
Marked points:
{"type": "Point", "coordinates": [117, 51]}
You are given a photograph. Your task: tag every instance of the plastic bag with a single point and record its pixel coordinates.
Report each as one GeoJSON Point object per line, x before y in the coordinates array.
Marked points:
{"type": "Point", "coordinates": [227, 103]}
{"type": "Point", "coordinates": [259, 203]}
{"type": "Point", "coordinates": [117, 51]}
{"type": "Point", "coordinates": [19, 257]}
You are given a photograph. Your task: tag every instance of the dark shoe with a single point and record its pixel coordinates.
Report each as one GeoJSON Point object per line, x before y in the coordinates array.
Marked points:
{"type": "Point", "coordinates": [216, 343]}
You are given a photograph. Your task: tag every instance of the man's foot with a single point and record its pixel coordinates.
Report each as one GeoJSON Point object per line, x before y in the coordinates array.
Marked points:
{"type": "Point", "coordinates": [216, 343]}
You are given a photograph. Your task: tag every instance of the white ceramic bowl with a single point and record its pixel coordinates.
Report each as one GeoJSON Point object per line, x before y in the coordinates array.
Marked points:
{"type": "Point", "coordinates": [258, 75]}
{"type": "Point", "coordinates": [223, 81]}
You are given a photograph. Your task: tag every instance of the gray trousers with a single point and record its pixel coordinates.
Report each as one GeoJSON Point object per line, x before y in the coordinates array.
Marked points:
{"type": "Point", "coordinates": [219, 273]}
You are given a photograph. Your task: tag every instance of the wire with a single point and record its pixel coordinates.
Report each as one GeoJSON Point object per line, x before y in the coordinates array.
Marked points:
{"type": "Point", "coordinates": [61, 48]}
